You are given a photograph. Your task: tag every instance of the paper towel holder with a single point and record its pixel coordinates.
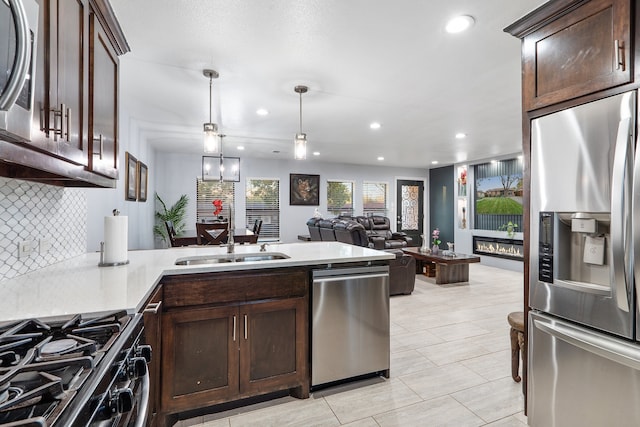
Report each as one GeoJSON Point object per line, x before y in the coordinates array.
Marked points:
{"type": "Point", "coordinates": [108, 264]}
{"type": "Point", "coordinates": [115, 212]}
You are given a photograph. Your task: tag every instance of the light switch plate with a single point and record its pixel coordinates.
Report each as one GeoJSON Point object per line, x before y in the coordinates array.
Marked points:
{"type": "Point", "coordinates": [24, 249]}
{"type": "Point", "coordinates": [44, 246]}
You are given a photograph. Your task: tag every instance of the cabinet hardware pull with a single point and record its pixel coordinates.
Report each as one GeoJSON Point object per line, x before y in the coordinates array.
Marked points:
{"type": "Point", "coordinates": [153, 308]}
{"type": "Point", "coordinates": [618, 47]}
{"type": "Point", "coordinates": [245, 326]}
{"type": "Point", "coordinates": [68, 132]}
{"type": "Point", "coordinates": [57, 115]}
{"type": "Point", "coordinates": [42, 128]}
{"type": "Point", "coordinates": [100, 146]}
{"type": "Point", "coordinates": [234, 327]}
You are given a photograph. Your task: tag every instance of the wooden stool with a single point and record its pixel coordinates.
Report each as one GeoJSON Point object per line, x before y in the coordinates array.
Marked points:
{"type": "Point", "coordinates": [516, 320]}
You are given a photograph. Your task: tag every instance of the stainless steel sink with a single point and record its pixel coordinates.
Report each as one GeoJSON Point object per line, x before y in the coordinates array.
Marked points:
{"type": "Point", "coordinates": [224, 258]}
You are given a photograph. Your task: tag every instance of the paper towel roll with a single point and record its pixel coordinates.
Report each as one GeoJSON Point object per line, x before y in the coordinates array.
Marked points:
{"type": "Point", "coordinates": [115, 239]}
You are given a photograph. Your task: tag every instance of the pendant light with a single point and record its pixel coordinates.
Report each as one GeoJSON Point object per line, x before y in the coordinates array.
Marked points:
{"type": "Point", "coordinates": [210, 129]}
{"type": "Point", "coordinates": [300, 142]}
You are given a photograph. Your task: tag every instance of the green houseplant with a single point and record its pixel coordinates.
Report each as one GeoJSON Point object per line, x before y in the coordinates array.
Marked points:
{"type": "Point", "coordinates": [175, 213]}
{"type": "Point", "coordinates": [510, 228]}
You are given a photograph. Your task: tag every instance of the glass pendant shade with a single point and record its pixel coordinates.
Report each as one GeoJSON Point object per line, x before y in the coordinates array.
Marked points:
{"type": "Point", "coordinates": [210, 129]}
{"type": "Point", "coordinates": [300, 147]}
{"type": "Point", "coordinates": [211, 138]}
{"type": "Point", "coordinates": [300, 143]}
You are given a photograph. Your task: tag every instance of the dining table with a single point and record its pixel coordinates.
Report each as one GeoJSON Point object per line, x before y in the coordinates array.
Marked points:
{"type": "Point", "coordinates": [240, 235]}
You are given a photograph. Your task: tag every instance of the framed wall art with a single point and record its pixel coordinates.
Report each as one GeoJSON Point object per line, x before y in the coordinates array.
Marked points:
{"type": "Point", "coordinates": [143, 178]}
{"type": "Point", "coordinates": [131, 177]}
{"type": "Point", "coordinates": [304, 190]}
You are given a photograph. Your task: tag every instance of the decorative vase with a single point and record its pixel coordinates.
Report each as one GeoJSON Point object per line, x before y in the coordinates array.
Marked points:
{"type": "Point", "coordinates": [425, 244]}
{"type": "Point", "coordinates": [435, 249]}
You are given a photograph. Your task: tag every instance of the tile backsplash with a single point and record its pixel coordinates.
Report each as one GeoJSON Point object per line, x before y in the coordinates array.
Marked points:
{"type": "Point", "coordinates": [51, 220]}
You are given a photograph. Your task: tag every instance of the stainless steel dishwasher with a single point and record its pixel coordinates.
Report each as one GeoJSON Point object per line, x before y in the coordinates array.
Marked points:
{"type": "Point", "coordinates": [350, 323]}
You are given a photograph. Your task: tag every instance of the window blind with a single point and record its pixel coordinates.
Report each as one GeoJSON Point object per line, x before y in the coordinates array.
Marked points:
{"type": "Point", "coordinates": [207, 192]}
{"type": "Point", "coordinates": [263, 202]}
{"type": "Point", "coordinates": [374, 198]}
{"type": "Point", "coordinates": [340, 197]}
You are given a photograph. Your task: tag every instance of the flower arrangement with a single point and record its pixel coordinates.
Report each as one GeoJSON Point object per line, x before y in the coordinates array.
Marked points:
{"type": "Point", "coordinates": [217, 203]}
{"type": "Point", "coordinates": [463, 177]}
{"type": "Point", "coordinates": [435, 237]}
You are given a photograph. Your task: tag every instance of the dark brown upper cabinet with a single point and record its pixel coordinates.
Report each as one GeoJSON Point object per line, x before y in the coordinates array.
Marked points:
{"type": "Point", "coordinates": [74, 139]}
{"type": "Point", "coordinates": [574, 48]}
{"type": "Point", "coordinates": [103, 101]}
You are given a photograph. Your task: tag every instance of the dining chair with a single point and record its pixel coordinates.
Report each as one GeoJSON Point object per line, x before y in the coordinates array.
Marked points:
{"type": "Point", "coordinates": [212, 233]}
{"type": "Point", "coordinates": [178, 241]}
{"type": "Point", "coordinates": [257, 225]}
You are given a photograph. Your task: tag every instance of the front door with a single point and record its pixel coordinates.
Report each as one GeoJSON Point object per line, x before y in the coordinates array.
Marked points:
{"type": "Point", "coordinates": [410, 209]}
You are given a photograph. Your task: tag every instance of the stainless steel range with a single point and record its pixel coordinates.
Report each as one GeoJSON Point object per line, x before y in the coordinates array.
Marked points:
{"type": "Point", "coordinates": [82, 370]}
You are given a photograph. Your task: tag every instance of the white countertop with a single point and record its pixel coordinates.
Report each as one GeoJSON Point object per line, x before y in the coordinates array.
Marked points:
{"type": "Point", "coordinates": [78, 285]}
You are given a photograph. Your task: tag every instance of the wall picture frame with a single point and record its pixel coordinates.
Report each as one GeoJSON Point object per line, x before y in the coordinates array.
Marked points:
{"type": "Point", "coordinates": [131, 177]}
{"type": "Point", "coordinates": [304, 190]}
{"type": "Point", "coordinates": [143, 179]}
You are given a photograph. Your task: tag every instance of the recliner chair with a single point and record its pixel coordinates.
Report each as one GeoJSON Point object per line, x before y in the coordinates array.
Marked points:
{"type": "Point", "coordinates": [402, 269]}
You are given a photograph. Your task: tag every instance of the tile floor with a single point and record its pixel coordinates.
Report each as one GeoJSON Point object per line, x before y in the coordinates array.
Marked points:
{"type": "Point", "coordinates": [450, 366]}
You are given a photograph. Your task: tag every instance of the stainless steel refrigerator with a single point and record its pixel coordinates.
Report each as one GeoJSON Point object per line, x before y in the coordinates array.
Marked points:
{"type": "Point", "coordinates": [584, 354]}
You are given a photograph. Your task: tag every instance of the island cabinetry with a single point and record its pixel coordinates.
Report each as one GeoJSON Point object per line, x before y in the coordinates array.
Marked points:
{"type": "Point", "coordinates": [581, 47]}
{"type": "Point", "coordinates": [228, 336]}
{"type": "Point", "coordinates": [152, 317]}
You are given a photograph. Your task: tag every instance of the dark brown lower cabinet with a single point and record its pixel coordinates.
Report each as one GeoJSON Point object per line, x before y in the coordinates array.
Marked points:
{"type": "Point", "coordinates": [203, 345]}
{"type": "Point", "coordinates": [212, 355]}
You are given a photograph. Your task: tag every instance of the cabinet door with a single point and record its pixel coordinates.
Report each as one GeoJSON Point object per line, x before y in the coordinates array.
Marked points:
{"type": "Point", "coordinates": [61, 69]}
{"type": "Point", "coordinates": [199, 357]}
{"type": "Point", "coordinates": [584, 51]}
{"type": "Point", "coordinates": [103, 102]}
{"type": "Point", "coordinates": [273, 345]}
{"type": "Point", "coordinates": [152, 316]}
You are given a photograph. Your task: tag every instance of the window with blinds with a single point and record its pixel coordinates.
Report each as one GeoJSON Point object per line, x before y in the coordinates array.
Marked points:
{"type": "Point", "coordinates": [263, 202]}
{"type": "Point", "coordinates": [374, 198]}
{"type": "Point", "coordinates": [207, 192]}
{"type": "Point", "coordinates": [340, 197]}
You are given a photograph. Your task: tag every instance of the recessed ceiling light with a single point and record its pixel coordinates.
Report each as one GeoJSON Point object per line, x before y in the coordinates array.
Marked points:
{"type": "Point", "coordinates": [461, 135]}
{"type": "Point", "coordinates": [316, 153]}
{"type": "Point", "coordinates": [262, 112]}
{"type": "Point", "coordinates": [435, 162]}
{"type": "Point", "coordinates": [240, 147]}
{"type": "Point", "coordinates": [375, 125]}
{"type": "Point", "coordinates": [459, 24]}
{"type": "Point", "coordinates": [380, 158]}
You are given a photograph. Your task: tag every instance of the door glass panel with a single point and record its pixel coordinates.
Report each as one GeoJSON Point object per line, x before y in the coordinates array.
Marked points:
{"type": "Point", "coordinates": [410, 207]}
{"type": "Point", "coordinates": [7, 45]}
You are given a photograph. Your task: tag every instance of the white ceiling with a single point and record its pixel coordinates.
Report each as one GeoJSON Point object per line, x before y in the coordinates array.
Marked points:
{"type": "Point", "coordinates": [364, 61]}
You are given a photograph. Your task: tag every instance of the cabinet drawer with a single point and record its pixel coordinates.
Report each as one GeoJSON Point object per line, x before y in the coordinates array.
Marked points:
{"type": "Point", "coordinates": [237, 286]}
{"type": "Point", "coordinates": [584, 51]}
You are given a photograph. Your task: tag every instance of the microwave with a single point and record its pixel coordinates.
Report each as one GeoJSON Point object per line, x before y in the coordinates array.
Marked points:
{"type": "Point", "coordinates": [18, 36]}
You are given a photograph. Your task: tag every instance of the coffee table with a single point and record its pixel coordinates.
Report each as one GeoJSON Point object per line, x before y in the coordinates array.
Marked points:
{"type": "Point", "coordinates": [449, 269]}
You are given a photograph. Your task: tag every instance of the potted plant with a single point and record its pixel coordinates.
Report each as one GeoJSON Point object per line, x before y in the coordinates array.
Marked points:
{"type": "Point", "coordinates": [510, 228]}
{"type": "Point", "coordinates": [175, 213]}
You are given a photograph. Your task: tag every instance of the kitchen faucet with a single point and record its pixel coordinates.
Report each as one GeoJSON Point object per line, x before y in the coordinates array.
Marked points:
{"type": "Point", "coordinates": [230, 244]}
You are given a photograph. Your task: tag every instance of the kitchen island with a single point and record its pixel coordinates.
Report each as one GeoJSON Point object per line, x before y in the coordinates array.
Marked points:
{"type": "Point", "coordinates": [223, 326]}
{"type": "Point", "coordinates": [78, 285]}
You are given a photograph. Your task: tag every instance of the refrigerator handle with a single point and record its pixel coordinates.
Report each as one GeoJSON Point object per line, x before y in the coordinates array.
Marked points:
{"type": "Point", "coordinates": [635, 227]}
{"type": "Point", "coordinates": [591, 342]}
{"type": "Point", "coordinates": [619, 206]}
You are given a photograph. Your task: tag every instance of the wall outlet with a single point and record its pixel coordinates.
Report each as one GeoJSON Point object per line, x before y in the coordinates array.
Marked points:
{"type": "Point", "coordinates": [44, 245]}
{"type": "Point", "coordinates": [24, 249]}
